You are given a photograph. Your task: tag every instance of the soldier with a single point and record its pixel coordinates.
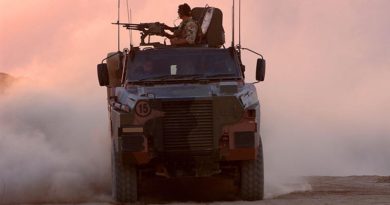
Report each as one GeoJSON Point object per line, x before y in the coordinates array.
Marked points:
{"type": "Point", "coordinates": [186, 33]}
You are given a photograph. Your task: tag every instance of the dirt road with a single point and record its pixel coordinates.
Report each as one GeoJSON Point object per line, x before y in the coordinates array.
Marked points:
{"type": "Point", "coordinates": [352, 190]}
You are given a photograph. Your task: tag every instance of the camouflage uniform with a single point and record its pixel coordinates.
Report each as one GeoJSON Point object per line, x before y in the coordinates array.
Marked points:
{"type": "Point", "coordinates": [187, 30]}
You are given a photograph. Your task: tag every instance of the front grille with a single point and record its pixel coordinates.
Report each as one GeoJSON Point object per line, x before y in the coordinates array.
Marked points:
{"type": "Point", "coordinates": [188, 127]}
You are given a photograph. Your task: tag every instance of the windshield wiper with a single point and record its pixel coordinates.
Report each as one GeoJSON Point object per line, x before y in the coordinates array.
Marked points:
{"type": "Point", "coordinates": [192, 76]}
{"type": "Point", "coordinates": [161, 77]}
{"type": "Point", "coordinates": [173, 77]}
{"type": "Point", "coordinates": [221, 75]}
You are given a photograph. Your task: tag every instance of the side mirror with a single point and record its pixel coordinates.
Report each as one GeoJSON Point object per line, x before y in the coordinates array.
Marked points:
{"type": "Point", "coordinates": [102, 72]}
{"type": "Point", "coordinates": [260, 69]}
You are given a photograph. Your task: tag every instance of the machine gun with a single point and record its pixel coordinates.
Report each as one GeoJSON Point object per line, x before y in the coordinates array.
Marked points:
{"type": "Point", "coordinates": [149, 29]}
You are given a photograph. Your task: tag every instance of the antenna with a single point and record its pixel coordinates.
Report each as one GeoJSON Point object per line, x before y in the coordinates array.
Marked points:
{"type": "Point", "coordinates": [131, 31]}
{"type": "Point", "coordinates": [233, 25]}
{"type": "Point", "coordinates": [239, 23]}
{"type": "Point", "coordinates": [119, 6]}
{"type": "Point", "coordinates": [129, 20]}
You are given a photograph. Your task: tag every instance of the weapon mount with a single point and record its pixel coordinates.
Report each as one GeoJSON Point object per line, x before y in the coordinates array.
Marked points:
{"type": "Point", "coordinates": [149, 29]}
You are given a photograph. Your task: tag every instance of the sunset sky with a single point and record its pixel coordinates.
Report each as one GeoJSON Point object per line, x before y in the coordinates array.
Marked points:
{"type": "Point", "coordinates": [326, 94]}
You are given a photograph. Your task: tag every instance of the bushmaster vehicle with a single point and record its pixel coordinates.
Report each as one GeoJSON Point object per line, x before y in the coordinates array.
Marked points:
{"type": "Point", "coordinates": [183, 111]}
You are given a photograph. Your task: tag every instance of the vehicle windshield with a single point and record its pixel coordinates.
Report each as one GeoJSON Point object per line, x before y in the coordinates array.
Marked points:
{"type": "Point", "coordinates": [182, 64]}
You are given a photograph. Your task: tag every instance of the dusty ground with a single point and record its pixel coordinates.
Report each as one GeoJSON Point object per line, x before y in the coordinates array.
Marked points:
{"type": "Point", "coordinates": [353, 190]}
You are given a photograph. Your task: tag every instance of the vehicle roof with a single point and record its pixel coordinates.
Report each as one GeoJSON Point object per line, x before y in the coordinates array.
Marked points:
{"type": "Point", "coordinates": [171, 48]}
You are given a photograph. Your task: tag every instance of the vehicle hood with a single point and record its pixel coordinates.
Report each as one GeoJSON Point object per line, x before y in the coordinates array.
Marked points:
{"type": "Point", "coordinates": [130, 95]}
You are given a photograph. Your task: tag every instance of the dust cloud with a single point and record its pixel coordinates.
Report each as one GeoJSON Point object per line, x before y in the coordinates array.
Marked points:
{"type": "Point", "coordinates": [54, 144]}
{"type": "Point", "coordinates": [53, 147]}
{"type": "Point", "coordinates": [325, 99]}
{"type": "Point", "coordinates": [5, 82]}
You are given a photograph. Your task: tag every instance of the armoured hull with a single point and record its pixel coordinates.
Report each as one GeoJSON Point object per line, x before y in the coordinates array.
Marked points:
{"type": "Point", "coordinates": [166, 123]}
{"type": "Point", "coordinates": [182, 112]}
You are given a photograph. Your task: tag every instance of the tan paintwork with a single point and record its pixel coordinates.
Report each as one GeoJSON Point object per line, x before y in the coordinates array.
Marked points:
{"type": "Point", "coordinates": [132, 129]}
{"type": "Point", "coordinates": [231, 153]}
{"type": "Point", "coordinates": [137, 157]}
{"type": "Point", "coordinates": [241, 154]}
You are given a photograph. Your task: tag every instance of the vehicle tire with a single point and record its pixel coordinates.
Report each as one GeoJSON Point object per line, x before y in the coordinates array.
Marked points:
{"type": "Point", "coordinates": [124, 179]}
{"type": "Point", "coordinates": [252, 177]}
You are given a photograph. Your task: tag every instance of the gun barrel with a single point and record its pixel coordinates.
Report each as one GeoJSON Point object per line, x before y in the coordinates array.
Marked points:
{"type": "Point", "coordinates": [133, 26]}
{"type": "Point", "coordinates": [124, 23]}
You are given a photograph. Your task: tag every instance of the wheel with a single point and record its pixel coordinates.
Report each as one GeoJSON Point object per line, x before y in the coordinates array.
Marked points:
{"type": "Point", "coordinates": [124, 179]}
{"type": "Point", "coordinates": [252, 177]}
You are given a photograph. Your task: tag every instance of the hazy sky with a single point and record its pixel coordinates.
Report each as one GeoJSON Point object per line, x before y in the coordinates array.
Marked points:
{"type": "Point", "coordinates": [325, 100]}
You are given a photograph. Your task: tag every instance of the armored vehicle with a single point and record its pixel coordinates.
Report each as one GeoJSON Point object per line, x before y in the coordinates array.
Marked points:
{"type": "Point", "coordinates": [182, 112]}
